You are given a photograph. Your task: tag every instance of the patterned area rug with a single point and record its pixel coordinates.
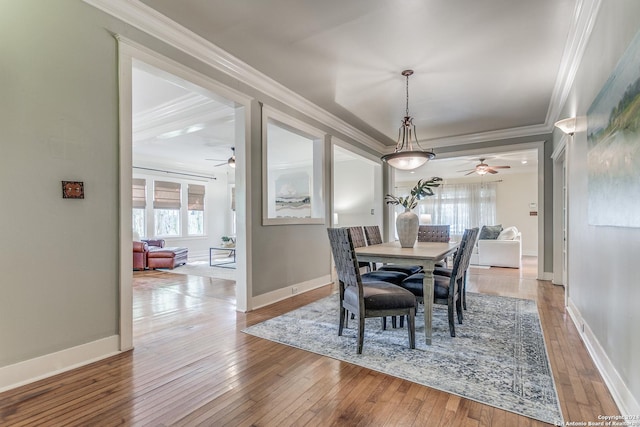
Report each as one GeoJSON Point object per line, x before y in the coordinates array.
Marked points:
{"type": "Point", "coordinates": [498, 356]}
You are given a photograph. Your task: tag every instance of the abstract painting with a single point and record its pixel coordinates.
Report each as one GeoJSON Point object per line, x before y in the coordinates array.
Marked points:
{"type": "Point", "coordinates": [613, 135]}
{"type": "Point", "coordinates": [293, 195]}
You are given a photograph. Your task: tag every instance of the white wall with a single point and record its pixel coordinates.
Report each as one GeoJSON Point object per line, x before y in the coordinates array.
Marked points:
{"type": "Point", "coordinates": [603, 282]}
{"type": "Point", "coordinates": [355, 193]}
{"type": "Point", "coordinates": [514, 195]}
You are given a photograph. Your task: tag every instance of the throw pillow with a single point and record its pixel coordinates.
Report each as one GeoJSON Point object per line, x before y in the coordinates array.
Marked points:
{"type": "Point", "coordinates": [490, 232]}
{"type": "Point", "coordinates": [508, 233]}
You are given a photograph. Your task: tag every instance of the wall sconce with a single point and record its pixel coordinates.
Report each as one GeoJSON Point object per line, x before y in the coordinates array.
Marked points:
{"type": "Point", "coordinates": [567, 126]}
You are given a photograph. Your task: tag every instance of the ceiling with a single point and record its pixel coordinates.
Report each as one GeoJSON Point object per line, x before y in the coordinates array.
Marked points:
{"type": "Point", "coordinates": [481, 68]}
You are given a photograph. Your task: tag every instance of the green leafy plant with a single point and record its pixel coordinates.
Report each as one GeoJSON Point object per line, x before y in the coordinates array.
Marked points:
{"type": "Point", "coordinates": [227, 239]}
{"type": "Point", "coordinates": [422, 189]}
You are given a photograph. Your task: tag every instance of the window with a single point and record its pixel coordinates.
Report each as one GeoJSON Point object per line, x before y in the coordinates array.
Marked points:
{"type": "Point", "coordinates": [166, 208]}
{"type": "Point", "coordinates": [461, 206]}
{"type": "Point", "coordinates": [195, 225]}
{"type": "Point", "coordinates": [139, 204]}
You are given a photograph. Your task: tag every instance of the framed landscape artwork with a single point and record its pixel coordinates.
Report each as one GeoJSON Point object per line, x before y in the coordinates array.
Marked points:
{"type": "Point", "coordinates": [292, 195]}
{"type": "Point", "coordinates": [613, 135]}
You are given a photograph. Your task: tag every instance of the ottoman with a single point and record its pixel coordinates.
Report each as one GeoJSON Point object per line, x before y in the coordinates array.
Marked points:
{"type": "Point", "coordinates": [166, 257]}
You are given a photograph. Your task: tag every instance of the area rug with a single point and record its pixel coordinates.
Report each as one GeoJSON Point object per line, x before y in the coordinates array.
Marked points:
{"type": "Point", "coordinates": [498, 356]}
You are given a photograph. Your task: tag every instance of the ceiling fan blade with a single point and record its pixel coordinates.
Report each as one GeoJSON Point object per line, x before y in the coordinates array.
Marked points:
{"type": "Point", "coordinates": [466, 170]}
{"type": "Point", "coordinates": [220, 164]}
{"type": "Point", "coordinates": [501, 167]}
{"type": "Point", "coordinates": [469, 173]}
{"type": "Point", "coordinates": [490, 170]}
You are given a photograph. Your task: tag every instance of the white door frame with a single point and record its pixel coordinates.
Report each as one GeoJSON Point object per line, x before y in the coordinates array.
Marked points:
{"type": "Point", "coordinates": [128, 51]}
{"type": "Point", "coordinates": [560, 215]}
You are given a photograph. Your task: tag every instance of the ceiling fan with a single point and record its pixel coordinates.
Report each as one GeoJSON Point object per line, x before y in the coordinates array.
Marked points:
{"type": "Point", "coordinates": [231, 161]}
{"type": "Point", "coordinates": [482, 168]}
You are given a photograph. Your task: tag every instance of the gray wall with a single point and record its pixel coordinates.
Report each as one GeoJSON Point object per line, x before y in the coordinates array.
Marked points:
{"type": "Point", "coordinates": [603, 273]}
{"type": "Point", "coordinates": [58, 116]}
{"type": "Point", "coordinates": [59, 121]}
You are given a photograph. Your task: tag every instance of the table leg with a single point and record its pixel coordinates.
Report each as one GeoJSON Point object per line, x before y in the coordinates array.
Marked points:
{"type": "Point", "coordinates": [427, 289]}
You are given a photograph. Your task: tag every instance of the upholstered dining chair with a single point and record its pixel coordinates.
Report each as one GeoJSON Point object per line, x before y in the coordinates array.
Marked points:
{"type": "Point", "coordinates": [446, 290]}
{"type": "Point", "coordinates": [364, 300]}
{"type": "Point", "coordinates": [395, 277]}
{"type": "Point", "coordinates": [443, 271]}
{"type": "Point", "coordinates": [434, 233]}
{"type": "Point", "coordinates": [373, 237]}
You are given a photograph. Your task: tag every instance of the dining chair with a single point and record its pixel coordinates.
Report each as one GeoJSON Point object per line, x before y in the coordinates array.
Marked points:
{"type": "Point", "coordinates": [446, 290]}
{"type": "Point", "coordinates": [434, 233]}
{"type": "Point", "coordinates": [373, 237]}
{"type": "Point", "coordinates": [443, 271]}
{"type": "Point", "coordinates": [365, 300]}
{"type": "Point", "coordinates": [395, 277]}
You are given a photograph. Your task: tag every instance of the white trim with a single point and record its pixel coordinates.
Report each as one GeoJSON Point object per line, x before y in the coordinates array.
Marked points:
{"type": "Point", "coordinates": [146, 19]}
{"type": "Point", "coordinates": [128, 51]}
{"type": "Point", "coordinates": [51, 364]}
{"type": "Point", "coordinates": [289, 291]}
{"type": "Point", "coordinates": [584, 18]}
{"type": "Point", "coordinates": [619, 390]}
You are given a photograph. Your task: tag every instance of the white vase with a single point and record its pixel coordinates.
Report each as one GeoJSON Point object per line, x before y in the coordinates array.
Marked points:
{"type": "Point", "coordinates": [407, 228]}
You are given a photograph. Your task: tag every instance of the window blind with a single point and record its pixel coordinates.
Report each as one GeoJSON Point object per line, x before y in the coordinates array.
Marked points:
{"type": "Point", "coordinates": [196, 197]}
{"type": "Point", "coordinates": [139, 193]}
{"type": "Point", "coordinates": [166, 195]}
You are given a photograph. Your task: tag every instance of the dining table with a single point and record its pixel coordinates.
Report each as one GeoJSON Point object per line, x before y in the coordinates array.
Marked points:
{"type": "Point", "coordinates": [426, 254]}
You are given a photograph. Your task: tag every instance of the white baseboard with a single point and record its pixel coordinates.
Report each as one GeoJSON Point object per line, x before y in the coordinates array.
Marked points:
{"type": "Point", "coordinates": [289, 291]}
{"type": "Point", "coordinates": [31, 370]}
{"type": "Point", "coordinates": [627, 404]}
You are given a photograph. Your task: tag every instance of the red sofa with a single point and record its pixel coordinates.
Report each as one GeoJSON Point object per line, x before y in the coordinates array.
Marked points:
{"type": "Point", "coordinates": [153, 254]}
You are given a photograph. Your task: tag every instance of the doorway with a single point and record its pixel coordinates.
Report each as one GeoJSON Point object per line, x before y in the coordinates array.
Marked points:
{"type": "Point", "coordinates": [183, 119]}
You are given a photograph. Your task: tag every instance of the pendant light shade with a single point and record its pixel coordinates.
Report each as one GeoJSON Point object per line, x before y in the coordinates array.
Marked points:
{"type": "Point", "coordinates": [405, 156]}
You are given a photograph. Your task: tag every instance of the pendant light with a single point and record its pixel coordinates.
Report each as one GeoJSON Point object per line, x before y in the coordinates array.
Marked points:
{"type": "Point", "coordinates": [405, 157]}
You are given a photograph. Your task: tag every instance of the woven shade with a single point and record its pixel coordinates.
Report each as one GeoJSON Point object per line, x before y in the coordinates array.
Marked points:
{"type": "Point", "coordinates": [166, 195]}
{"type": "Point", "coordinates": [139, 193]}
{"type": "Point", "coordinates": [196, 197]}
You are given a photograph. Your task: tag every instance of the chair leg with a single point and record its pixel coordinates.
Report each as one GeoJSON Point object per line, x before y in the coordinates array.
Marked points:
{"type": "Point", "coordinates": [459, 302]}
{"type": "Point", "coordinates": [452, 327]}
{"type": "Point", "coordinates": [384, 323]}
{"type": "Point", "coordinates": [464, 291]}
{"type": "Point", "coordinates": [401, 321]}
{"type": "Point", "coordinates": [411, 326]}
{"type": "Point", "coordinates": [343, 320]}
{"type": "Point", "coordinates": [360, 332]}
{"type": "Point", "coordinates": [394, 322]}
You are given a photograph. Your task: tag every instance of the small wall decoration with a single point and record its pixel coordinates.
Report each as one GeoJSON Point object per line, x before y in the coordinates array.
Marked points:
{"type": "Point", "coordinates": [292, 195]}
{"type": "Point", "coordinates": [72, 190]}
{"type": "Point", "coordinates": [613, 135]}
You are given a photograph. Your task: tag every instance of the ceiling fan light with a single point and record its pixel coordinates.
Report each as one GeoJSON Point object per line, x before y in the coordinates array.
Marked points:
{"type": "Point", "coordinates": [232, 161]}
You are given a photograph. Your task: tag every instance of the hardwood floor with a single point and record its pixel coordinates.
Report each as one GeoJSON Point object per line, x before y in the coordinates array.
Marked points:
{"type": "Point", "coordinates": [192, 366]}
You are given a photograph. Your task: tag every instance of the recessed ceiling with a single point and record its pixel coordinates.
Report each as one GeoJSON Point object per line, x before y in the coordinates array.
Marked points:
{"type": "Point", "coordinates": [479, 66]}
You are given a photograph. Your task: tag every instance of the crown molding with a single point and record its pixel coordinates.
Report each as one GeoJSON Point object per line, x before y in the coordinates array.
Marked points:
{"type": "Point", "coordinates": [148, 20]}
{"type": "Point", "coordinates": [584, 17]}
{"type": "Point", "coordinates": [496, 135]}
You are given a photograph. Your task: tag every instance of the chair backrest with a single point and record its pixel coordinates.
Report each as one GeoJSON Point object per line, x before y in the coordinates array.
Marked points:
{"type": "Point", "coordinates": [434, 233]}
{"type": "Point", "coordinates": [357, 236]}
{"type": "Point", "coordinates": [471, 235]}
{"type": "Point", "coordinates": [372, 233]}
{"type": "Point", "coordinates": [344, 256]}
{"type": "Point", "coordinates": [462, 256]}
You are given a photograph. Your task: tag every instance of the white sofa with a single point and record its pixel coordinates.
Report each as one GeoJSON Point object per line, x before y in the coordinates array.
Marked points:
{"type": "Point", "coordinates": [505, 251]}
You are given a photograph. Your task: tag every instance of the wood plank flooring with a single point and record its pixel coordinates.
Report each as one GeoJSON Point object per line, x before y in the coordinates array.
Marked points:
{"type": "Point", "coordinates": [192, 366]}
